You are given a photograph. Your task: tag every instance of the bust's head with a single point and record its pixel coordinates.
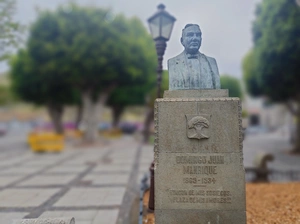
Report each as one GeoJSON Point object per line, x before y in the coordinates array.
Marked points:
{"type": "Point", "coordinates": [191, 38]}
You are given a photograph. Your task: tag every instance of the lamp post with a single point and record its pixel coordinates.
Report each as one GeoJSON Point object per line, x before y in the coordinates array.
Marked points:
{"type": "Point", "coordinates": [161, 25]}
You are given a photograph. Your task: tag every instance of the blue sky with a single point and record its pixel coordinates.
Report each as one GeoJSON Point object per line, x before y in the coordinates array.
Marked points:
{"type": "Point", "coordinates": [226, 24]}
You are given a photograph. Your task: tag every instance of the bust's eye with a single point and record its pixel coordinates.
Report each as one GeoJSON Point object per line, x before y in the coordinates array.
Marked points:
{"type": "Point", "coordinates": [190, 34]}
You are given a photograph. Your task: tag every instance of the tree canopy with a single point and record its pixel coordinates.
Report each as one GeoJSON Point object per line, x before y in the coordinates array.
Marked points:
{"type": "Point", "coordinates": [34, 84]}
{"type": "Point", "coordinates": [88, 49]}
{"type": "Point", "coordinates": [9, 28]}
{"type": "Point", "coordinates": [233, 85]}
{"type": "Point", "coordinates": [273, 67]}
{"type": "Point", "coordinates": [93, 48]}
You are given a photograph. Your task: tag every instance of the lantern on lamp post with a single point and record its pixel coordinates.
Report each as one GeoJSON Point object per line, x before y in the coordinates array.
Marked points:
{"type": "Point", "coordinates": [161, 26]}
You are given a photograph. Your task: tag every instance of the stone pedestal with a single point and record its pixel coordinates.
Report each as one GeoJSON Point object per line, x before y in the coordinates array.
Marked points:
{"type": "Point", "coordinates": [199, 173]}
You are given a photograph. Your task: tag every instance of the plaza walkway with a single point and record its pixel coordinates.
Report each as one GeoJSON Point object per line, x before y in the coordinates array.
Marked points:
{"type": "Point", "coordinates": [96, 185]}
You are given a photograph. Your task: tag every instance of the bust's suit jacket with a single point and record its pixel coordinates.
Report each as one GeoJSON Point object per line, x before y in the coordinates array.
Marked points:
{"type": "Point", "coordinates": [179, 73]}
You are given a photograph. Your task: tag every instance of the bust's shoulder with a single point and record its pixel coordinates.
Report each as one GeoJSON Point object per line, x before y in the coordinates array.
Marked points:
{"type": "Point", "coordinates": [176, 58]}
{"type": "Point", "coordinates": [210, 59]}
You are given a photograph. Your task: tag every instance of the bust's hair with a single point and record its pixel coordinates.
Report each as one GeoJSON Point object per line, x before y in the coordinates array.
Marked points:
{"type": "Point", "coordinates": [189, 25]}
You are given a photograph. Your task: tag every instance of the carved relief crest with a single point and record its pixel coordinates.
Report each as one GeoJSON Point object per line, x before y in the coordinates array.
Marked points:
{"type": "Point", "coordinates": [198, 126]}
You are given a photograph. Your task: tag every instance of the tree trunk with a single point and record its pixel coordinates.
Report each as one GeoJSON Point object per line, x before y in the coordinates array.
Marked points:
{"type": "Point", "coordinates": [297, 134]}
{"type": "Point", "coordinates": [55, 112]}
{"type": "Point", "coordinates": [117, 111]}
{"type": "Point", "coordinates": [92, 109]}
{"type": "Point", "coordinates": [148, 121]}
{"type": "Point", "coordinates": [90, 117]}
{"type": "Point", "coordinates": [79, 116]}
{"type": "Point", "coordinates": [294, 108]}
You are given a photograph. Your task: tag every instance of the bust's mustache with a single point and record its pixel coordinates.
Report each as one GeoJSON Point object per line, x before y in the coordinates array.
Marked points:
{"type": "Point", "coordinates": [194, 42]}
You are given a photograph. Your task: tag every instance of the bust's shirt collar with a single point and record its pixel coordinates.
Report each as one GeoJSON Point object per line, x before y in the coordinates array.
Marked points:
{"type": "Point", "coordinates": [192, 56]}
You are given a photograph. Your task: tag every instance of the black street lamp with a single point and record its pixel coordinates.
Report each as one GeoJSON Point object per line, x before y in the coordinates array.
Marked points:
{"type": "Point", "coordinates": [161, 25]}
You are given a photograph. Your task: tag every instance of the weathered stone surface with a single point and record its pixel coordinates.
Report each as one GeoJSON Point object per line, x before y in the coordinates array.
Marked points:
{"type": "Point", "coordinates": [192, 69]}
{"type": "Point", "coordinates": [206, 181]}
{"type": "Point", "coordinates": [199, 173]}
{"type": "Point", "coordinates": [223, 132]}
{"type": "Point", "coordinates": [199, 217]}
{"type": "Point", "coordinates": [196, 93]}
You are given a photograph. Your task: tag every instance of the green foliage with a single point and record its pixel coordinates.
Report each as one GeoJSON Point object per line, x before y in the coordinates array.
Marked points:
{"type": "Point", "coordinates": [92, 48]}
{"type": "Point", "coordinates": [250, 78]}
{"type": "Point", "coordinates": [33, 83]}
{"type": "Point", "coordinates": [86, 48]}
{"type": "Point", "coordinates": [6, 96]}
{"type": "Point", "coordinates": [9, 29]}
{"type": "Point", "coordinates": [136, 85]}
{"type": "Point", "coordinates": [273, 68]}
{"type": "Point", "coordinates": [233, 85]}
{"type": "Point", "coordinates": [245, 114]}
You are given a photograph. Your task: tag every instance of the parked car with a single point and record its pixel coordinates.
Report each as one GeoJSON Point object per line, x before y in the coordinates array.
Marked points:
{"type": "Point", "coordinates": [128, 127]}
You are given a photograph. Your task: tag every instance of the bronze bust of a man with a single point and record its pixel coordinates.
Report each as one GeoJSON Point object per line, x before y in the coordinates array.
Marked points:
{"type": "Point", "coordinates": [192, 69]}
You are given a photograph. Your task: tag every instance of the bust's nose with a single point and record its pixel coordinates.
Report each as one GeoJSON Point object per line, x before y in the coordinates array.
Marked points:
{"type": "Point", "coordinates": [194, 37]}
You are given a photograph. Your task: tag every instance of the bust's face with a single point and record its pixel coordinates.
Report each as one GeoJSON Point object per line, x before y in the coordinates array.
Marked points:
{"type": "Point", "coordinates": [191, 39]}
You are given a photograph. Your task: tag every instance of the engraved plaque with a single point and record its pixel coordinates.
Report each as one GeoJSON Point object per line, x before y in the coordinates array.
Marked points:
{"type": "Point", "coordinates": [198, 161]}
{"type": "Point", "coordinates": [197, 125]}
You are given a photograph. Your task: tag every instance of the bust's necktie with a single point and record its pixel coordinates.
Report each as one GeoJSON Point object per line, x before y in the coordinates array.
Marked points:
{"type": "Point", "coordinates": [193, 57]}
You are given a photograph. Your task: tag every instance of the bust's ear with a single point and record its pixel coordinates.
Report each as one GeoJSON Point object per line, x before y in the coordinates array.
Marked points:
{"type": "Point", "coordinates": [181, 40]}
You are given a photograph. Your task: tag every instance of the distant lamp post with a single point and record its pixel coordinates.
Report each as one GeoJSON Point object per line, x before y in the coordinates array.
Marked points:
{"type": "Point", "coordinates": [161, 26]}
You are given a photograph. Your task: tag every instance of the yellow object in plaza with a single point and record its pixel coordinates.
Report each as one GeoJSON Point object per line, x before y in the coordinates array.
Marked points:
{"type": "Point", "coordinates": [46, 142]}
{"type": "Point", "coordinates": [112, 133]}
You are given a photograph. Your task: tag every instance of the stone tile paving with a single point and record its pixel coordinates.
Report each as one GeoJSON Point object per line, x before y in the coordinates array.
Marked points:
{"type": "Point", "coordinates": [5, 180]}
{"type": "Point", "coordinates": [98, 179]}
{"type": "Point", "coordinates": [96, 185]}
{"type": "Point", "coordinates": [48, 180]}
{"type": "Point", "coordinates": [25, 197]}
{"type": "Point", "coordinates": [6, 218]}
{"type": "Point", "coordinates": [274, 143]}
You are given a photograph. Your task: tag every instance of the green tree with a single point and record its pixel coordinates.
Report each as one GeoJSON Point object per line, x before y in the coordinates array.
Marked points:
{"type": "Point", "coordinates": [137, 87]}
{"type": "Point", "coordinates": [276, 55]}
{"type": "Point", "coordinates": [5, 95]}
{"type": "Point", "coordinates": [92, 50]}
{"type": "Point", "coordinates": [233, 85]}
{"type": "Point", "coordinates": [10, 30]}
{"type": "Point", "coordinates": [32, 82]}
{"type": "Point", "coordinates": [250, 75]}
{"type": "Point", "coordinates": [124, 96]}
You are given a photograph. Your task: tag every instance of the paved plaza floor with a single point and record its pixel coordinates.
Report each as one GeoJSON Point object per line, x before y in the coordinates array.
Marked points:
{"type": "Point", "coordinates": [96, 185]}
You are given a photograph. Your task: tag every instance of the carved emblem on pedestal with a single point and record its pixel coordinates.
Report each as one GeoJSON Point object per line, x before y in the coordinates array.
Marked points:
{"type": "Point", "coordinates": [197, 125]}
